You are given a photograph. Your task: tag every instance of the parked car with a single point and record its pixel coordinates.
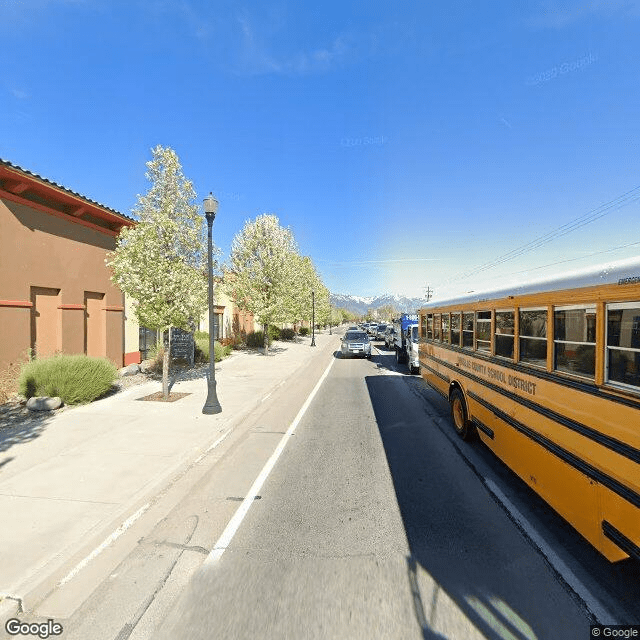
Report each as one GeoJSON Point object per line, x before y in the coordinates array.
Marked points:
{"type": "Point", "coordinates": [380, 329]}
{"type": "Point", "coordinates": [389, 337]}
{"type": "Point", "coordinates": [355, 343]}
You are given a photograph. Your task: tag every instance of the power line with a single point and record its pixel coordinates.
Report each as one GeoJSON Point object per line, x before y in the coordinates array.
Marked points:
{"type": "Point", "coordinates": [601, 211]}
{"type": "Point", "coordinates": [588, 255]}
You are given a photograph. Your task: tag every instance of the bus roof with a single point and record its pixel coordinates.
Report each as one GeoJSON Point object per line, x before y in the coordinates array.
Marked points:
{"type": "Point", "coordinates": [619, 272]}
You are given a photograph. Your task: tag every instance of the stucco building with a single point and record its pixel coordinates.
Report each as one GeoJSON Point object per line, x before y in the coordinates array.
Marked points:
{"type": "Point", "coordinates": [56, 294]}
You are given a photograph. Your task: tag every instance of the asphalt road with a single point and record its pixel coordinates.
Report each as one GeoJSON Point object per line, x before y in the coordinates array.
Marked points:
{"type": "Point", "coordinates": [374, 525]}
{"type": "Point", "coordinates": [376, 521]}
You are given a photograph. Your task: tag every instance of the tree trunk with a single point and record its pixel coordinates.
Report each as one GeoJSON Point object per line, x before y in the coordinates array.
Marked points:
{"type": "Point", "coordinates": [266, 338]}
{"type": "Point", "coordinates": [165, 368]}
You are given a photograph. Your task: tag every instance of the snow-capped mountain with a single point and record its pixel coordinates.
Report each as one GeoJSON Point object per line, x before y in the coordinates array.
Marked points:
{"type": "Point", "coordinates": [359, 305]}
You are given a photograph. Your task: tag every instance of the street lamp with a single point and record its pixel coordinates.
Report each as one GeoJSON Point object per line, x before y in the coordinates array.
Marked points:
{"type": "Point", "coordinates": [313, 318]}
{"type": "Point", "coordinates": [211, 405]}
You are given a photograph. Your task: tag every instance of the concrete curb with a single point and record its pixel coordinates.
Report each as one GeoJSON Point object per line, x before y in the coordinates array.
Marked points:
{"type": "Point", "coordinates": [35, 589]}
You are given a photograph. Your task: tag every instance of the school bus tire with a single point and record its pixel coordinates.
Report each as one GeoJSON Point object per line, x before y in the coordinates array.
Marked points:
{"type": "Point", "coordinates": [460, 415]}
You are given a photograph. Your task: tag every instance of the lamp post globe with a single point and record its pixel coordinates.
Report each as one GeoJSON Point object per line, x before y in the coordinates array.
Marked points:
{"type": "Point", "coordinates": [212, 405]}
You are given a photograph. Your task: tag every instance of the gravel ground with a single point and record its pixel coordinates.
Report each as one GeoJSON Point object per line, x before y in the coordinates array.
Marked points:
{"type": "Point", "coordinates": [14, 413]}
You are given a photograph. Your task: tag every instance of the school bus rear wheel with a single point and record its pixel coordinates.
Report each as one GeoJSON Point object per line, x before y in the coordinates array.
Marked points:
{"type": "Point", "coordinates": [460, 415]}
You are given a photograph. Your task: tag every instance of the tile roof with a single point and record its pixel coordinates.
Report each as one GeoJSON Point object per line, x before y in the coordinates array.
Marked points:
{"type": "Point", "coordinates": [10, 165]}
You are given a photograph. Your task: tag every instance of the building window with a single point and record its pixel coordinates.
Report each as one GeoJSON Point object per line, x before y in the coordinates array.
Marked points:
{"type": "Point", "coordinates": [218, 326]}
{"type": "Point", "coordinates": [505, 327]}
{"type": "Point", "coordinates": [467, 330]}
{"type": "Point", "coordinates": [147, 340]}
{"type": "Point", "coordinates": [533, 336]}
{"type": "Point", "coordinates": [574, 340]}
{"type": "Point", "coordinates": [483, 331]}
{"type": "Point", "coordinates": [623, 343]}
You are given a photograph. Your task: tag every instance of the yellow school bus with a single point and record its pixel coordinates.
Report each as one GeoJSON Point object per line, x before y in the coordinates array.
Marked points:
{"type": "Point", "coordinates": [548, 376]}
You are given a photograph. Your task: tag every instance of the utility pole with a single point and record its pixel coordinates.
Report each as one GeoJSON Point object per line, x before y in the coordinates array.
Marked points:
{"type": "Point", "coordinates": [428, 293]}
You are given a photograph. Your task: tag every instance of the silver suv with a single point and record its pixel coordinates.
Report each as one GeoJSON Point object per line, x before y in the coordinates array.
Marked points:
{"type": "Point", "coordinates": [355, 343]}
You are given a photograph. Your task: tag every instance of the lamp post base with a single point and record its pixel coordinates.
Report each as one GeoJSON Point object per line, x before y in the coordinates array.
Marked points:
{"type": "Point", "coordinates": [212, 405]}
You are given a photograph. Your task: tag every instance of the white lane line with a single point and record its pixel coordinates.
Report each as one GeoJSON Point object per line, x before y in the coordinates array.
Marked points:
{"type": "Point", "coordinates": [265, 397]}
{"type": "Point", "coordinates": [235, 522]}
{"type": "Point", "coordinates": [592, 604]}
{"type": "Point", "coordinates": [116, 534]}
{"type": "Point", "coordinates": [213, 446]}
{"type": "Point", "coordinates": [128, 522]}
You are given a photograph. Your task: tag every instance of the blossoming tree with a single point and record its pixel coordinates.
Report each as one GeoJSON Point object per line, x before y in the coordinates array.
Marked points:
{"type": "Point", "coordinates": [159, 262]}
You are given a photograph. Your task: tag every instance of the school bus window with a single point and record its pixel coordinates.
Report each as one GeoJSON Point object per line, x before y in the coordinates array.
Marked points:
{"type": "Point", "coordinates": [445, 327]}
{"type": "Point", "coordinates": [574, 340]}
{"type": "Point", "coordinates": [436, 327]}
{"type": "Point", "coordinates": [623, 343]}
{"type": "Point", "coordinates": [430, 327]}
{"type": "Point", "coordinates": [455, 329]}
{"type": "Point", "coordinates": [423, 327]}
{"type": "Point", "coordinates": [483, 331]}
{"type": "Point", "coordinates": [505, 325]}
{"type": "Point", "coordinates": [533, 336]}
{"type": "Point", "coordinates": [467, 330]}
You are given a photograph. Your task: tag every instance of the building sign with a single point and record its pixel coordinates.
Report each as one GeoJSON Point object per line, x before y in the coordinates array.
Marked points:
{"type": "Point", "coordinates": [182, 345]}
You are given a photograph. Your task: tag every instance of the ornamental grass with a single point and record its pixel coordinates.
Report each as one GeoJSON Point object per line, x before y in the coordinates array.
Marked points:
{"type": "Point", "coordinates": [77, 379]}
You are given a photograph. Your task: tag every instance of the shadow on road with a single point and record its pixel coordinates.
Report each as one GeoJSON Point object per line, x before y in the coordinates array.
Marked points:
{"type": "Point", "coordinates": [458, 549]}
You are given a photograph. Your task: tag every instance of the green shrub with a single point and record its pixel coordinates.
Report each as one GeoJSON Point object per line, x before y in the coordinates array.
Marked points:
{"type": "Point", "coordinates": [220, 352]}
{"type": "Point", "coordinates": [76, 379]}
{"type": "Point", "coordinates": [201, 334]}
{"type": "Point", "coordinates": [202, 348]}
{"type": "Point", "coordinates": [154, 350]}
{"type": "Point", "coordinates": [274, 333]}
{"type": "Point", "coordinates": [255, 339]}
{"type": "Point", "coordinates": [287, 334]}
{"type": "Point", "coordinates": [304, 331]}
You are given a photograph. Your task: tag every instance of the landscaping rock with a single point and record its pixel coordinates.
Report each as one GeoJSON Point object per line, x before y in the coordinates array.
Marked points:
{"type": "Point", "coordinates": [131, 370]}
{"type": "Point", "coordinates": [44, 403]}
{"type": "Point", "coordinates": [146, 365]}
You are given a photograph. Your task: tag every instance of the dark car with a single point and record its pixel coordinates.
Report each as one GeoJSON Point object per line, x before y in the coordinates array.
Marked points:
{"type": "Point", "coordinates": [380, 330]}
{"type": "Point", "coordinates": [356, 343]}
{"type": "Point", "coordinates": [389, 337]}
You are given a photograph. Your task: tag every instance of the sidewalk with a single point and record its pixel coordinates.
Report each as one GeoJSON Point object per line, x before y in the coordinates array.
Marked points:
{"type": "Point", "coordinates": [69, 478]}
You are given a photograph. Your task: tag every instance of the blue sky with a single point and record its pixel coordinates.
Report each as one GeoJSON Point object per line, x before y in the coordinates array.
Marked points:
{"type": "Point", "coordinates": [405, 144]}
